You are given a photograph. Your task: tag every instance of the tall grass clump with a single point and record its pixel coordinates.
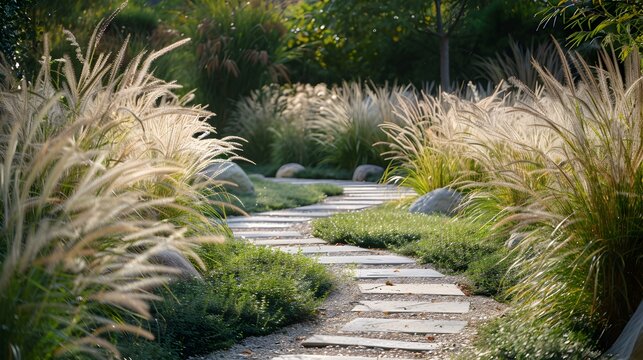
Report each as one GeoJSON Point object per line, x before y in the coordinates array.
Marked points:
{"type": "Point", "coordinates": [99, 174]}
{"type": "Point", "coordinates": [348, 126]}
{"type": "Point", "coordinates": [277, 121]}
{"type": "Point", "coordinates": [518, 63]}
{"type": "Point", "coordinates": [424, 145]}
{"type": "Point", "coordinates": [580, 183]}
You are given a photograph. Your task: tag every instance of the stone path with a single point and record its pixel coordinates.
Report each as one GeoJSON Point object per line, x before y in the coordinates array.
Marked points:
{"type": "Point", "coordinates": [398, 300]}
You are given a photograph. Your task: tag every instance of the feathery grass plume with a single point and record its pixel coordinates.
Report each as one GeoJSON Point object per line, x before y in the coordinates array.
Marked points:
{"type": "Point", "coordinates": [424, 146]}
{"type": "Point", "coordinates": [98, 174]}
{"type": "Point", "coordinates": [581, 262]}
{"type": "Point", "coordinates": [348, 124]}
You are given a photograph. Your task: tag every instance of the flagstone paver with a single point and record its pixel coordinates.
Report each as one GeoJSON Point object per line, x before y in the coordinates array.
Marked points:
{"type": "Point", "coordinates": [329, 340]}
{"type": "Point", "coordinates": [405, 326]}
{"type": "Point", "coordinates": [412, 306]}
{"type": "Point", "coordinates": [426, 289]}
{"type": "Point", "coordinates": [322, 249]}
{"type": "Point", "coordinates": [350, 201]}
{"type": "Point", "coordinates": [366, 259]}
{"type": "Point", "coordinates": [282, 242]}
{"type": "Point", "coordinates": [258, 225]}
{"type": "Point", "coordinates": [331, 357]}
{"type": "Point", "coordinates": [267, 234]}
{"type": "Point", "coordinates": [331, 207]}
{"type": "Point", "coordinates": [395, 273]}
{"type": "Point", "coordinates": [266, 219]}
{"type": "Point", "coordinates": [297, 213]}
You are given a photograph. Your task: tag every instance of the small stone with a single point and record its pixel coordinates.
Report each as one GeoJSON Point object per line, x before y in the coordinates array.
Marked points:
{"type": "Point", "coordinates": [233, 176]}
{"type": "Point", "coordinates": [289, 170]}
{"type": "Point", "coordinates": [368, 173]}
{"type": "Point", "coordinates": [440, 201]}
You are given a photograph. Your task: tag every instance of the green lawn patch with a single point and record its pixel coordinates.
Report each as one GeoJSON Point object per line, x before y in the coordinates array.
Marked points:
{"type": "Point", "coordinates": [248, 291]}
{"type": "Point", "coordinates": [270, 195]}
{"type": "Point", "coordinates": [452, 245]}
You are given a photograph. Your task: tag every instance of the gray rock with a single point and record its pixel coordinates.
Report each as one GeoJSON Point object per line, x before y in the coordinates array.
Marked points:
{"type": "Point", "coordinates": [515, 238]}
{"type": "Point", "coordinates": [236, 179]}
{"type": "Point", "coordinates": [439, 201]}
{"type": "Point", "coordinates": [289, 170]}
{"type": "Point", "coordinates": [368, 173]}
{"type": "Point", "coordinates": [629, 344]}
{"type": "Point", "coordinates": [173, 259]}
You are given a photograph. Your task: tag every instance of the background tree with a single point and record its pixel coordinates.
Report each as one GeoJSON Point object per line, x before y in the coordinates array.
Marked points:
{"type": "Point", "coordinates": [611, 22]}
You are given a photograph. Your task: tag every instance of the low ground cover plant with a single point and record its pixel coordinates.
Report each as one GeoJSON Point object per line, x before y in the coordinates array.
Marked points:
{"type": "Point", "coordinates": [270, 195]}
{"type": "Point", "coordinates": [452, 245]}
{"type": "Point", "coordinates": [247, 291]}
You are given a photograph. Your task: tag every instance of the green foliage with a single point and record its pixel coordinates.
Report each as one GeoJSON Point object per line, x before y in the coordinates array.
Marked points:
{"type": "Point", "coordinates": [345, 40]}
{"type": "Point", "coordinates": [17, 36]}
{"type": "Point", "coordinates": [491, 274]}
{"type": "Point", "coordinates": [510, 337]}
{"type": "Point", "coordinates": [270, 195]}
{"type": "Point", "coordinates": [615, 23]}
{"type": "Point", "coordinates": [240, 46]}
{"type": "Point", "coordinates": [247, 291]}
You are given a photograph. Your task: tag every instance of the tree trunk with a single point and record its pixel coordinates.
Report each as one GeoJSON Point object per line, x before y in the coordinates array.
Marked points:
{"type": "Point", "coordinates": [445, 80]}
{"type": "Point", "coordinates": [443, 37]}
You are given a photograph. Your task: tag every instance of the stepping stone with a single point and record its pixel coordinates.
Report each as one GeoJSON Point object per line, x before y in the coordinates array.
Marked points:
{"type": "Point", "coordinates": [328, 340]}
{"type": "Point", "coordinates": [296, 213]}
{"type": "Point", "coordinates": [352, 202]}
{"type": "Point", "coordinates": [405, 326]}
{"type": "Point", "coordinates": [331, 207]}
{"type": "Point", "coordinates": [282, 242]}
{"type": "Point", "coordinates": [321, 249]}
{"type": "Point", "coordinates": [330, 357]}
{"type": "Point", "coordinates": [267, 234]}
{"type": "Point", "coordinates": [258, 225]}
{"type": "Point", "coordinates": [394, 273]}
{"type": "Point", "coordinates": [423, 289]}
{"type": "Point", "coordinates": [267, 219]}
{"type": "Point", "coordinates": [366, 260]}
{"type": "Point", "coordinates": [413, 307]}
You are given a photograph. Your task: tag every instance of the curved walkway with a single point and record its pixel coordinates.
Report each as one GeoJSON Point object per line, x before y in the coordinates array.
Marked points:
{"type": "Point", "coordinates": [388, 308]}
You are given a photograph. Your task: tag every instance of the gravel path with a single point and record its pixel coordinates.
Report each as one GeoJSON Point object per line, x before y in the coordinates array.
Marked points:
{"type": "Point", "coordinates": [336, 312]}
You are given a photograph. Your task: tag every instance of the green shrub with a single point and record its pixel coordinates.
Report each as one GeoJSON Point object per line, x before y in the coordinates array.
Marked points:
{"type": "Point", "coordinates": [240, 46]}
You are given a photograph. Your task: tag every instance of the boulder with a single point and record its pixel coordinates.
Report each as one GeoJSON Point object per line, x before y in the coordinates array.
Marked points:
{"type": "Point", "coordinates": [629, 345]}
{"type": "Point", "coordinates": [368, 173]}
{"type": "Point", "coordinates": [439, 201]}
{"type": "Point", "coordinates": [173, 259]}
{"type": "Point", "coordinates": [289, 170]}
{"type": "Point", "coordinates": [233, 175]}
